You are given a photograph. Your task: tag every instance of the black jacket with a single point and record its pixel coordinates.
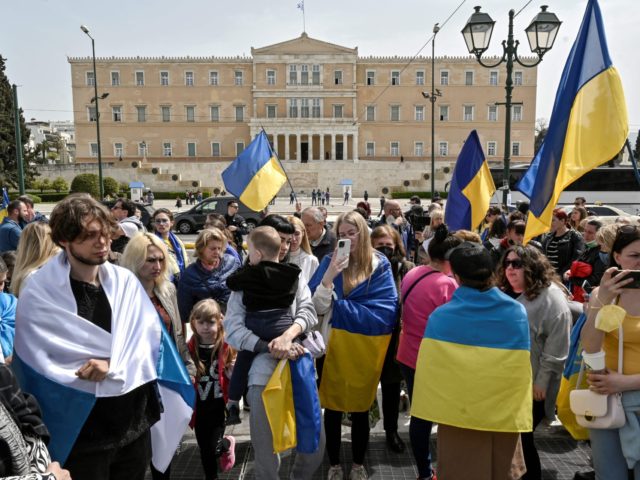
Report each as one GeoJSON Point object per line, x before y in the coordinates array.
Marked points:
{"type": "Point", "coordinates": [326, 246]}
{"type": "Point", "coordinates": [570, 247]}
{"type": "Point", "coordinates": [592, 257]}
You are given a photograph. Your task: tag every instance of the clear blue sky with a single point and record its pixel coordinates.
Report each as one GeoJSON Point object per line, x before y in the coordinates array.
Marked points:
{"type": "Point", "coordinates": [37, 36]}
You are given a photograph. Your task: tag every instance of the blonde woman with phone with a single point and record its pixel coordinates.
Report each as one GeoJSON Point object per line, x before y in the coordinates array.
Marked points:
{"type": "Point", "coordinates": [355, 291]}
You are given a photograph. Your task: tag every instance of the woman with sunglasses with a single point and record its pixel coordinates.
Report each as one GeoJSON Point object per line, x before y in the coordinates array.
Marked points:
{"type": "Point", "coordinates": [147, 257]}
{"type": "Point", "coordinates": [178, 259]}
{"type": "Point", "coordinates": [526, 275]}
{"type": "Point", "coordinates": [611, 453]}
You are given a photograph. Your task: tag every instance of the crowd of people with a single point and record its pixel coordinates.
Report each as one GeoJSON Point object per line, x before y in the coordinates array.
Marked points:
{"type": "Point", "coordinates": [473, 325]}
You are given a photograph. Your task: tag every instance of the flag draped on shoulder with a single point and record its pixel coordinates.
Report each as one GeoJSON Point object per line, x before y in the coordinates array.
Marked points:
{"type": "Point", "coordinates": [588, 125]}
{"type": "Point", "coordinates": [361, 326]}
{"type": "Point", "coordinates": [52, 342]}
{"type": "Point", "coordinates": [471, 187]}
{"type": "Point", "coordinates": [4, 203]}
{"type": "Point", "coordinates": [255, 177]}
{"type": "Point", "coordinates": [473, 369]}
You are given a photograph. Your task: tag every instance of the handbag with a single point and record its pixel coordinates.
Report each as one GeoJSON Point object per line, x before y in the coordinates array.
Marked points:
{"type": "Point", "coordinates": [595, 410]}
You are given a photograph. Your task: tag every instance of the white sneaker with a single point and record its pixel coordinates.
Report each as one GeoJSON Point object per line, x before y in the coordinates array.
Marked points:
{"type": "Point", "coordinates": [358, 473]}
{"type": "Point", "coordinates": [335, 473]}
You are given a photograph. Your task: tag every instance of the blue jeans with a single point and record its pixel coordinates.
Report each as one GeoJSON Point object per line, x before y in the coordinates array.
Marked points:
{"type": "Point", "coordinates": [419, 431]}
{"type": "Point", "coordinates": [608, 462]}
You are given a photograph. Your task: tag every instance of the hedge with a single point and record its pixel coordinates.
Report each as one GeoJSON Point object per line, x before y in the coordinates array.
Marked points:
{"type": "Point", "coordinates": [173, 195]}
{"type": "Point", "coordinates": [34, 197]}
{"type": "Point", "coordinates": [53, 197]}
{"type": "Point", "coordinates": [443, 195]}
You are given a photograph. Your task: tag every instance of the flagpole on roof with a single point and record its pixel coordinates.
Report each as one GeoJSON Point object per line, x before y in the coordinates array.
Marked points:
{"type": "Point", "coordinates": [275, 154]}
{"type": "Point", "coordinates": [301, 7]}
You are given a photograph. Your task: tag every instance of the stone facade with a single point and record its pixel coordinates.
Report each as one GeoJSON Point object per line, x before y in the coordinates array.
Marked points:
{"type": "Point", "coordinates": [330, 114]}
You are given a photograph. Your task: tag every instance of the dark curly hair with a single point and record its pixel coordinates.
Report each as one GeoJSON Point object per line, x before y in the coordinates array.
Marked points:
{"type": "Point", "coordinates": [538, 272]}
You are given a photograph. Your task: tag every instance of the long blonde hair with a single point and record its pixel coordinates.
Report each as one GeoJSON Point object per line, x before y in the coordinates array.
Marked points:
{"type": "Point", "coordinates": [135, 255]}
{"type": "Point", "coordinates": [34, 249]}
{"type": "Point", "coordinates": [304, 241]}
{"type": "Point", "coordinates": [360, 261]}
{"type": "Point", "coordinates": [207, 310]}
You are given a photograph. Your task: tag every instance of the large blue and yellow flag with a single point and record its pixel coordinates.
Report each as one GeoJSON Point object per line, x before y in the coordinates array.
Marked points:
{"type": "Point", "coordinates": [473, 369]}
{"type": "Point", "coordinates": [471, 187]}
{"type": "Point", "coordinates": [361, 326]}
{"type": "Point", "coordinates": [4, 203]}
{"type": "Point", "coordinates": [588, 125]}
{"type": "Point", "coordinates": [255, 177]}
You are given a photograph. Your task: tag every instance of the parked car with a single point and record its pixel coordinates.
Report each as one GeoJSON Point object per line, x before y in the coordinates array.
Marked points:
{"type": "Point", "coordinates": [146, 209]}
{"type": "Point", "coordinates": [193, 219]}
{"type": "Point", "coordinates": [606, 213]}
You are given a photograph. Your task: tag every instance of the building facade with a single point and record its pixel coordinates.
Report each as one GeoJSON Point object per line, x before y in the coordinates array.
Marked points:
{"type": "Point", "coordinates": [321, 105]}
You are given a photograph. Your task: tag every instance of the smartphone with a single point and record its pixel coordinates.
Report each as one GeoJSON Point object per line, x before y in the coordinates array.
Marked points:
{"type": "Point", "coordinates": [344, 246]}
{"type": "Point", "coordinates": [635, 274]}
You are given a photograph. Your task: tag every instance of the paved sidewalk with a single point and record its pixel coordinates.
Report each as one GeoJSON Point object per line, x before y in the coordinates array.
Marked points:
{"type": "Point", "coordinates": [561, 456]}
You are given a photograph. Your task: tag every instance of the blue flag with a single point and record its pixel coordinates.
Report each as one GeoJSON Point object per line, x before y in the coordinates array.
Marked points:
{"type": "Point", "coordinates": [471, 187]}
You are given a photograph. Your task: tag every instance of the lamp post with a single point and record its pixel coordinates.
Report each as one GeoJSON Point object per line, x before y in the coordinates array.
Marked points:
{"type": "Point", "coordinates": [541, 34]}
{"type": "Point", "coordinates": [432, 96]}
{"type": "Point", "coordinates": [96, 98]}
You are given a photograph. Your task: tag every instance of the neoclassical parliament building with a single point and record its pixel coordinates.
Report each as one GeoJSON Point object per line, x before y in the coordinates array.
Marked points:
{"type": "Point", "coordinates": [328, 112]}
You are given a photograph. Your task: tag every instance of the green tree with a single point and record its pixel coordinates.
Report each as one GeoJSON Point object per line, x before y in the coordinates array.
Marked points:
{"type": "Point", "coordinates": [86, 183]}
{"type": "Point", "coordinates": [45, 184]}
{"type": "Point", "coordinates": [542, 126]}
{"type": "Point", "coordinates": [60, 184]}
{"type": "Point", "coordinates": [111, 186]}
{"type": "Point", "coordinates": [636, 152]}
{"type": "Point", "coordinates": [8, 163]}
{"type": "Point", "coordinates": [124, 188]}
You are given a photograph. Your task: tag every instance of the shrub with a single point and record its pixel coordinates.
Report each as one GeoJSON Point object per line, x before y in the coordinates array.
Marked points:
{"type": "Point", "coordinates": [35, 198]}
{"type": "Point", "coordinates": [111, 186]}
{"type": "Point", "coordinates": [53, 197]}
{"type": "Point", "coordinates": [86, 183]}
{"type": "Point", "coordinates": [443, 195]}
{"type": "Point", "coordinates": [60, 185]}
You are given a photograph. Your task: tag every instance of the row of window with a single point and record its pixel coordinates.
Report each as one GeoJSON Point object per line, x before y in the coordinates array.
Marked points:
{"type": "Point", "coordinates": [442, 150]}
{"type": "Point", "coordinates": [166, 113]}
{"type": "Point", "coordinates": [299, 75]}
{"type": "Point", "coordinates": [394, 149]}
{"type": "Point", "coordinates": [189, 78]}
{"type": "Point", "coordinates": [167, 149]}
{"type": "Point", "coordinates": [305, 108]}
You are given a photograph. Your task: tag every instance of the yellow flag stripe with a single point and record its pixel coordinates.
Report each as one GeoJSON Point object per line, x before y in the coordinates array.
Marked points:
{"type": "Point", "coordinates": [479, 192]}
{"type": "Point", "coordinates": [264, 185]}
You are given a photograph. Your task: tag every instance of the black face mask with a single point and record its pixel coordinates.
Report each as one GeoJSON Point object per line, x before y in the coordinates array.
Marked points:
{"type": "Point", "coordinates": [386, 251]}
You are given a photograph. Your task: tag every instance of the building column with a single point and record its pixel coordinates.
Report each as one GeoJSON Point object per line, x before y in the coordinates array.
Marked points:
{"type": "Point", "coordinates": [322, 146]}
{"type": "Point", "coordinates": [333, 146]}
{"type": "Point", "coordinates": [286, 146]}
{"type": "Point", "coordinates": [298, 142]}
{"type": "Point", "coordinates": [356, 157]}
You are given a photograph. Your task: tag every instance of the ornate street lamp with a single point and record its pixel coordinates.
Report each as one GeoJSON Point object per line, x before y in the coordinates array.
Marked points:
{"type": "Point", "coordinates": [96, 98]}
{"type": "Point", "coordinates": [432, 96]}
{"type": "Point", "coordinates": [541, 33]}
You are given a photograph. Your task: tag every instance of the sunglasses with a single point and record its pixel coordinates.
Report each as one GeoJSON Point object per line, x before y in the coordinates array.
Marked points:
{"type": "Point", "coordinates": [516, 264]}
{"type": "Point", "coordinates": [161, 220]}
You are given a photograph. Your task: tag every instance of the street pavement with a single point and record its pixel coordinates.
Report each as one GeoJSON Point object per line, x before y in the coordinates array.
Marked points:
{"type": "Point", "coordinates": [560, 455]}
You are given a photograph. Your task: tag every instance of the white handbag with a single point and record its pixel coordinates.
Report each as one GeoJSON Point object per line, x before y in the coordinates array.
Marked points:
{"type": "Point", "coordinates": [595, 410]}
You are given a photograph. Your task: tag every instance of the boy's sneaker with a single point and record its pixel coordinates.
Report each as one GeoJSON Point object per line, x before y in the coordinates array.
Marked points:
{"type": "Point", "coordinates": [335, 473]}
{"type": "Point", "coordinates": [358, 473]}
{"type": "Point", "coordinates": [233, 417]}
{"type": "Point", "coordinates": [228, 458]}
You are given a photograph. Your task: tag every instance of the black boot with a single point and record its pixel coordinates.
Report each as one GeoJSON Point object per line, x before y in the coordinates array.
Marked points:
{"type": "Point", "coordinates": [395, 443]}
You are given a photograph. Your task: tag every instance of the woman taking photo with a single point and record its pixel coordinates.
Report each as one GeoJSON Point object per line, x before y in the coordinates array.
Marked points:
{"type": "Point", "coordinates": [178, 259]}
{"type": "Point", "coordinates": [611, 455]}
{"type": "Point", "coordinates": [423, 290]}
{"type": "Point", "coordinates": [207, 276]}
{"type": "Point", "coordinates": [357, 296]}
{"type": "Point", "coordinates": [147, 257]}
{"type": "Point", "coordinates": [526, 275]}
{"type": "Point", "coordinates": [300, 250]}
{"type": "Point", "coordinates": [387, 241]}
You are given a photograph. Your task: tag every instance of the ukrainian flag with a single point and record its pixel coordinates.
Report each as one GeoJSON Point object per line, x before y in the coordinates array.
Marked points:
{"type": "Point", "coordinates": [471, 187]}
{"type": "Point", "coordinates": [361, 326]}
{"type": "Point", "coordinates": [588, 124]}
{"type": "Point", "coordinates": [4, 203]}
{"type": "Point", "coordinates": [255, 177]}
{"type": "Point", "coordinates": [473, 369]}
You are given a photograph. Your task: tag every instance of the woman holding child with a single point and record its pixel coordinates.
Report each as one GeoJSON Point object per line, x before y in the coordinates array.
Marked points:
{"type": "Point", "coordinates": [358, 298]}
{"type": "Point", "coordinates": [249, 298]}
